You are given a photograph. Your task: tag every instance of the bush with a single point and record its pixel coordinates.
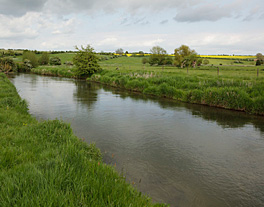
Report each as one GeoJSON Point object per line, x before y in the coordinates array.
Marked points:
{"type": "Point", "coordinates": [144, 60]}
{"type": "Point", "coordinates": [27, 66]}
{"type": "Point", "coordinates": [86, 61]}
{"type": "Point", "coordinates": [68, 63]}
{"type": "Point", "coordinates": [44, 59]}
{"type": "Point", "coordinates": [31, 56]}
{"type": "Point", "coordinates": [258, 62]}
{"type": "Point", "coordinates": [205, 62]}
{"type": "Point", "coordinates": [7, 65]}
{"type": "Point", "coordinates": [55, 61]}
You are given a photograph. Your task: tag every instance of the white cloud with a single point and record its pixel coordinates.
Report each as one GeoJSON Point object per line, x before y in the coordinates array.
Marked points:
{"type": "Point", "coordinates": [18, 28]}
{"type": "Point", "coordinates": [133, 25]}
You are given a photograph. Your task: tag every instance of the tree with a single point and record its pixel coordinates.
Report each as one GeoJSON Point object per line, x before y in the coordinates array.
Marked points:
{"type": "Point", "coordinates": [55, 61]}
{"type": "Point", "coordinates": [184, 53]}
{"type": "Point", "coordinates": [158, 56]}
{"type": "Point", "coordinates": [258, 62]}
{"type": "Point", "coordinates": [31, 56]}
{"type": "Point", "coordinates": [86, 61]}
{"type": "Point", "coordinates": [119, 51]}
{"type": "Point", "coordinates": [260, 58]}
{"type": "Point", "coordinates": [44, 59]}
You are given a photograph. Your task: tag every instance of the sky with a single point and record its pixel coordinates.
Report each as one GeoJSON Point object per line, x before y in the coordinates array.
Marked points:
{"type": "Point", "coordinates": [207, 26]}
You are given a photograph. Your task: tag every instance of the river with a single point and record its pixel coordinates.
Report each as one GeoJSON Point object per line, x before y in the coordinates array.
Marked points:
{"type": "Point", "coordinates": [177, 153]}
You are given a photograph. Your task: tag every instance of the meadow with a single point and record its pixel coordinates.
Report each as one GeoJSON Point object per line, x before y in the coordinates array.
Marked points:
{"type": "Point", "coordinates": [45, 164]}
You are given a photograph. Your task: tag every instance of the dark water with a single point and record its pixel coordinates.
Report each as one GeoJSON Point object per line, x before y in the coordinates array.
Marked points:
{"type": "Point", "coordinates": [181, 154]}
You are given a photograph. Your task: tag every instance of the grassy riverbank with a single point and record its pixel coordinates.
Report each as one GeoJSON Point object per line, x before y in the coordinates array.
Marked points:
{"type": "Point", "coordinates": [44, 164]}
{"type": "Point", "coordinates": [232, 87]}
{"type": "Point", "coordinates": [238, 94]}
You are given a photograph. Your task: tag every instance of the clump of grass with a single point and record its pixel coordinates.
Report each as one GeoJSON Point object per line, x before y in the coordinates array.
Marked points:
{"type": "Point", "coordinates": [45, 164]}
{"type": "Point", "coordinates": [61, 71]}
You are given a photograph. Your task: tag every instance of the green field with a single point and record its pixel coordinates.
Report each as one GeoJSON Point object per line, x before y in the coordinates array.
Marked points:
{"type": "Point", "coordinates": [44, 164]}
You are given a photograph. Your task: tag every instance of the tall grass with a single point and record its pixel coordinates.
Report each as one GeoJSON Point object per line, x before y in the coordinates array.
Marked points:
{"type": "Point", "coordinates": [61, 71]}
{"type": "Point", "coordinates": [238, 94]}
{"type": "Point", "coordinates": [44, 164]}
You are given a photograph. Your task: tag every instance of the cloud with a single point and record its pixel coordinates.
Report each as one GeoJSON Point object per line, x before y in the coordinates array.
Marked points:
{"type": "Point", "coordinates": [18, 28]}
{"type": "Point", "coordinates": [164, 21]}
{"type": "Point", "coordinates": [20, 7]}
{"type": "Point", "coordinates": [207, 12]}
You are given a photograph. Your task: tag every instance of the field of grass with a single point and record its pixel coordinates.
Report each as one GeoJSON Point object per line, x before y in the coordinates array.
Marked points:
{"type": "Point", "coordinates": [44, 164]}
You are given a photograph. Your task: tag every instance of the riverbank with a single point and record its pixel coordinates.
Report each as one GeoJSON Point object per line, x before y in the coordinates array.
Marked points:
{"type": "Point", "coordinates": [236, 94]}
{"type": "Point", "coordinates": [232, 88]}
{"type": "Point", "coordinates": [45, 164]}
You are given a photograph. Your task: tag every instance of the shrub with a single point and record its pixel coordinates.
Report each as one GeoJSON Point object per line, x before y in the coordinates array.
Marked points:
{"type": "Point", "coordinates": [86, 61]}
{"type": "Point", "coordinates": [144, 60]}
{"type": "Point", "coordinates": [44, 59]}
{"type": "Point", "coordinates": [258, 62]}
{"type": "Point", "coordinates": [205, 62]}
{"type": "Point", "coordinates": [27, 66]}
{"type": "Point", "coordinates": [31, 56]}
{"type": "Point", "coordinates": [68, 63]}
{"type": "Point", "coordinates": [7, 65]}
{"type": "Point", "coordinates": [55, 61]}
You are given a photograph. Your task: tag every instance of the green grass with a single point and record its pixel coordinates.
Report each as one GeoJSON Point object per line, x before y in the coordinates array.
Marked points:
{"type": "Point", "coordinates": [61, 71]}
{"type": "Point", "coordinates": [44, 164]}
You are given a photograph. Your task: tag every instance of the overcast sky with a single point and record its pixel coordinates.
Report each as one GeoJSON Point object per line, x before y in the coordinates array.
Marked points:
{"type": "Point", "coordinates": [208, 26]}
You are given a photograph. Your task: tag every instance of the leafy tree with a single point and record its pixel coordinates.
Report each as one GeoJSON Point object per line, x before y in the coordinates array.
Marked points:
{"type": "Point", "coordinates": [260, 58]}
{"type": "Point", "coordinates": [258, 62]}
{"type": "Point", "coordinates": [86, 61]}
{"type": "Point", "coordinates": [55, 61]}
{"type": "Point", "coordinates": [168, 61]}
{"type": "Point", "coordinates": [158, 56]}
{"type": "Point", "coordinates": [183, 54]}
{"type": "Point", "coordinates": [44, 59]}
{"type": "Point", "coordinates": [31, 56]}
{"type": "Point", "coordinates": [119, 51]}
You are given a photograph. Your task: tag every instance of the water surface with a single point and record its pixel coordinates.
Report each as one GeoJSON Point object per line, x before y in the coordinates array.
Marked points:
{"type": "Point", "coordinates": [181, 154]}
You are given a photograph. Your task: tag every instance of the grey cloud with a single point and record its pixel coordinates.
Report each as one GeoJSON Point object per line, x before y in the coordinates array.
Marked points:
{"type": "Point", "coordinates": [208, 12]}
{"type": "Point", "coordinates": [164, 21]}
{"type": "Point", "coordinates": [20, 7]}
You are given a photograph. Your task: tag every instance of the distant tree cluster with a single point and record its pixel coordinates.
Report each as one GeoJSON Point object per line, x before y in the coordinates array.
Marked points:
{"type": "Point", "coordinates": [185, 57]}
{"type": "Point", "coordinates": [159, 56]}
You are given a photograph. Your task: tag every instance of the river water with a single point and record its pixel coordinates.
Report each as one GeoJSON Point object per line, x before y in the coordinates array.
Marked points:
{"type": "Point", "coordinates": [180, 154]}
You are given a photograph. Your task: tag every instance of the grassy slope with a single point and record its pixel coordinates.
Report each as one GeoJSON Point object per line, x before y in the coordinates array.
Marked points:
{"type": "Point", "coordinates": [44, 164]}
